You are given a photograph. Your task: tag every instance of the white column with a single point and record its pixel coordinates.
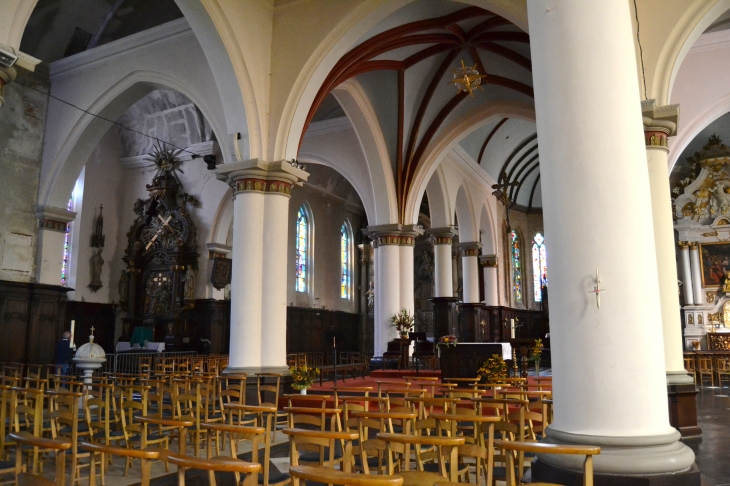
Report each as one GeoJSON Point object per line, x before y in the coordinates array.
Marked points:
{"type": "Point", "coordinates": [387, 289]}
{"type": "Point", "coordinates": [659, 123]}
{"type": "Point", "coordinates": [470, 271]}
{"type": "Point", "coordinates": [52, 225]}
{"type": "Point", "coordinates": [246, 273]}
{"type": "Point", "coordinates": [442, 239]}
{"type": "Point", "coordinates": [491, 283]}
{"type": "Point", "coordinates": [694, 258]}
{"type": "Point", "coordinates": [607, 393]}
{"type": "Point", "coordinates": [273, 317]}
{"type": "Point", "coordinates": [258, 282]}
{"type": "Point", "coordinates": [689, 297]}
{"type": "Point", "coordinates": [454, 272]}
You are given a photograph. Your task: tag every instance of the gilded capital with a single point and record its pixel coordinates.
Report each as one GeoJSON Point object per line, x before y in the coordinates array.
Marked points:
{"type": "Point", "coordinates": [683, 245]}
{"type": "Point", "coordinates": [692, 245]}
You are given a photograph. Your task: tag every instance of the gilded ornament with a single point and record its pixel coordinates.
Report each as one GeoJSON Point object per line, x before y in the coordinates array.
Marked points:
{"type": "Point", "coordinates": [710, 233]}
{"type": "Point", "coordinates": [700, 320]}
{"type": "Point", "coordinates": [683, 245]}
{"type": "Point", "coordinates": [710, 296]}
{"type": "Point", "coordinates": [726, 285]}
{"type": "Point", "coordinates": [692, 245]}
{"type": "Point", "coordinates": [714, 317]}
{"type": "Point", "coordinates": [691, 319]}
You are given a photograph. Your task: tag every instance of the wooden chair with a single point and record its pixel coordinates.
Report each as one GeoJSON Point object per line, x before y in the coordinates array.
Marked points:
{"type": "Point", "coordinates": [28, 417]}
{"type": "Point", "coordinates": [690, 365]}
{"type": "Point", "coordinates": [58, 446]}
{"type": "Point", "coordinates": [538, 448]}
{"type": "Point", "coordinates": [705, 368]}
{"type": "Point", "coordinates": [326, 442]}
{"type": "Point", "coordinates": [447, 453]}
{"type": "Point", "coordinates": [223, 464]}
{"type": "Point", "coordinates": [722, 368]}
{"type": "Point", "coordinates": [332, 476]}
{"type": "Point", "coordinates": [135, 432]}
{"type": "Point", "coordinates": [145, 456]}
{"type": "Point", "coordinates": [66, 424]}
{"type": "Point", "coordinates": [236, 434]}
{"type": "Point", "coordinates": [264, 388]}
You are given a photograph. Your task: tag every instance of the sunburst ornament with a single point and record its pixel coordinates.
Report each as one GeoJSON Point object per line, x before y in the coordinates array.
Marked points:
{"type": "Point", "coordinates": [467, 79]}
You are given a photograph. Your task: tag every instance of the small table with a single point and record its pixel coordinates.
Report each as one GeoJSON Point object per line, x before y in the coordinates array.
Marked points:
{"type": "Point", "coordinates": [182, 427]}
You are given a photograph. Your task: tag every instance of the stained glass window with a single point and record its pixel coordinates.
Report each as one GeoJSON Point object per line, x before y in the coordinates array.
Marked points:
{"type": "Point", "coordinates": [302, 244]}
{"type": "Point", "coordinates": [539, 265]}
{"type": "Point", "coordinates": [516, 266]}
{"type": "Point", "coordinates": [67, 245]}
{"type": "Point", "coordinates": [345, 262]}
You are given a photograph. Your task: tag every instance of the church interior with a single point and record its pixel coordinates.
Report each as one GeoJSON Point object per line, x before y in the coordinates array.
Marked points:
{"type": "Point", "coordinates": [365, 242]}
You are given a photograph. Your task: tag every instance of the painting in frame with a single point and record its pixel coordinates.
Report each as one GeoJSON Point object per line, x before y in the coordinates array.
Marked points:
{"type": "Point", "coordinates": [715, 263]}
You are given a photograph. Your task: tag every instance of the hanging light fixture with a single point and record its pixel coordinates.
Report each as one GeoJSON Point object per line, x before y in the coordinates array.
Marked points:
{"type": "Point", "coordinates": [467, 79]}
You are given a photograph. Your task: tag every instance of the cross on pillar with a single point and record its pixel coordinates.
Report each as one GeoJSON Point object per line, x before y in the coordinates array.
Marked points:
{"type": "Point", "coordinates": [597, 290]}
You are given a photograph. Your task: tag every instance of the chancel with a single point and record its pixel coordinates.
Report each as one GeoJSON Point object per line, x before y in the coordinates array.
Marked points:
{"type": "Point", "coordinates": [498, 232]}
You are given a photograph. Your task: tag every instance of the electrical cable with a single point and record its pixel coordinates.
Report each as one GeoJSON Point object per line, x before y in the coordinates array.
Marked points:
{"type": "Point", "coordinates": [641, 51]}
{"type": "Point", "coordinates": [194, 155]}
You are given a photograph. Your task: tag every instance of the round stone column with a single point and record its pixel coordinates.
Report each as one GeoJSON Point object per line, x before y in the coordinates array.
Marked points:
{"type": "Point", "coordinates": [442, 239]}
{"type": "Point", "coordinates": [387, 285]}
{"type": "Point", "coordinates": [694, 258]}
{"type": "Point", "coordinates": [609, 379]}
{"type": "Point", "coordinates": [689, 297]}
{"type": "Point", "coordinates": [470, 271]}
{"type": "Point", "coordinates": [261, 192]}
{"type": "Point", "coordinates": [659, 123]}
{"type": "Point", "coordinates": [491, 284]}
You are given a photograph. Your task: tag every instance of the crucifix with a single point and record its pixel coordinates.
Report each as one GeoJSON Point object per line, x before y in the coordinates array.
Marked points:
{"type": "Point", "coordinates": [500, 192]}
{"type": "Point", "coordinates": [164, 223]}
{"type": "Point", "coordinates": [91, 338]}
{"type": "Point", "coordinates": [597, 290]}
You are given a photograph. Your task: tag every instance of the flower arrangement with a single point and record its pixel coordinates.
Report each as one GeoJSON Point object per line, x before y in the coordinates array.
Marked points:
{"type": "Point", "coordinates": [536, 350]}
{"type": "Point", "coordinates": [303, 377]}
{"type": "Point", "coordinates": [535, 353]}
{"type": "Point", "coordinates": [493, 370]}
{"type": "Point", "coordinates": [447, 341]}
{"type": "Point", "coordinates": [403, 321]}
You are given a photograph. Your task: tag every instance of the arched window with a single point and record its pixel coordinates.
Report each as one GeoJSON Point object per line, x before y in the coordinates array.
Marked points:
{"type": "Point", "coordinates": [539, 265]}
{"type": "Point", "coordinates": [302, 245]}
{"type": "Point", "coordinates": [345, 261]}
{"type": "Point", "coordinates": [516, 265]}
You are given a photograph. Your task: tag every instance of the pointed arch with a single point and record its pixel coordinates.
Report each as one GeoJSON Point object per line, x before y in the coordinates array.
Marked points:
{"type": "Point", "coordinates": [465, 215]}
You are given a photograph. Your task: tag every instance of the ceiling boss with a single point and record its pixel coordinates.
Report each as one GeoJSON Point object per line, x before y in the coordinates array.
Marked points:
{"type": "Point", "coordinates": [467, 79]}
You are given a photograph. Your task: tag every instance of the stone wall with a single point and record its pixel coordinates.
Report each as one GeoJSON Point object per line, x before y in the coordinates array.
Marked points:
{"type": "Point", "coordinates": [22, 123]}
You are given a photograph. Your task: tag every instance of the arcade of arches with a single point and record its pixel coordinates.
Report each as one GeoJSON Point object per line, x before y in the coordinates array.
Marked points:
{"type": "Point", "coordinates": [265, 178]}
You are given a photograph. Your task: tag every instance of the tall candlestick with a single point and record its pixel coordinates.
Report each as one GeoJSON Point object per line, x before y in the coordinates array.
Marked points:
{"type": "Point", "coordinates": [73, 327]}
{"type": "Point", "coordinates": [512, 328]}
{"type": "Point", "coordinates": [334, 341]}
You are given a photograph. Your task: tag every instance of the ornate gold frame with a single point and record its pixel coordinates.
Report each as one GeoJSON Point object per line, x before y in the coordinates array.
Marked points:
{"type": "Point", "coordinates": [702, 262]}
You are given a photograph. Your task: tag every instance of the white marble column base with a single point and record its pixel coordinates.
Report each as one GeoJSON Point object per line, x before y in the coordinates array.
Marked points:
{"type": "Point", "coordinates": [625, 456]}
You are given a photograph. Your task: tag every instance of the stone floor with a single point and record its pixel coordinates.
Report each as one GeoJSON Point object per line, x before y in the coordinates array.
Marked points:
{"type": "Point", "coordinates": [713, 450]}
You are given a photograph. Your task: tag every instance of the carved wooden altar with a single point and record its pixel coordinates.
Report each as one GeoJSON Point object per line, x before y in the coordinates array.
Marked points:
{"type": "Point", "coordinates": [718, 341]}
{"type": "Point", "coordinates": [161, 255]}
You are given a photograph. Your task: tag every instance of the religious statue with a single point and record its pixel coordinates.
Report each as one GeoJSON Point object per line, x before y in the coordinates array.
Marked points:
{"type": "Point", "coordinates": [190, 283]}
{"type": "Point", "coordinates": [96, 262]}
{"type": "Point", "coordinates": [123, 286]}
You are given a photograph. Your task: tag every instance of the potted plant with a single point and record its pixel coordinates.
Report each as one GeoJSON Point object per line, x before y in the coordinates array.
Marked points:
{"type": "Point", "coordinates": [403, 322]}
{"type": "Point", "coordinates": [493, 370]}
{"type": "Point", "coordinates": [303, 378]}
{"type": "Point", "coordinates": [535, 353]}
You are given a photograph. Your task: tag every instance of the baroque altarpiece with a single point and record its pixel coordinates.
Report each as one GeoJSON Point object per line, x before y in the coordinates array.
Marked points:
{"type": "Point", "coordinates": [702, 220]}
{"type": "Point", "coordinates": [161, 257]}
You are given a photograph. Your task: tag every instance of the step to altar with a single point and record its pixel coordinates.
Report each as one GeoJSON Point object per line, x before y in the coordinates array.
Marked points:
{"type": "Point", "coordinates": [411, 374]}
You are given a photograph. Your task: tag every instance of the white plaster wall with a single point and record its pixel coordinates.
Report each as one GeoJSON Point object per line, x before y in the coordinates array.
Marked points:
{"type": "Point", "coordinates": [701, 89]}
{"type": "Point", "coordinates": [101, 187]}
{"type": "Point", "coordinates": [328, 216]}
{"type": "Point", "coordinates": [108, 80]}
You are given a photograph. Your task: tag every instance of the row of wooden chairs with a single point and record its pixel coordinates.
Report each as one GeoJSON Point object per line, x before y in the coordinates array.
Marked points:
{"type": "Point", "coordinates": [715, 367]}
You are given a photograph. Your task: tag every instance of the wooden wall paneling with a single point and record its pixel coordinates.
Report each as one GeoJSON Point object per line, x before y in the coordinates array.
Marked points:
{"type": "Point", "coordinates": [102, 317]}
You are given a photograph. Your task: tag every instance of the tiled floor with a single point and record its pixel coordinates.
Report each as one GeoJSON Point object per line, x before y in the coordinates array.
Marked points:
{"type": "Point", "coordinates": [713, 450]}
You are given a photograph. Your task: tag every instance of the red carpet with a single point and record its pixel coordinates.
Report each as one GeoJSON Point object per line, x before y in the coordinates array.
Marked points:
{"type": "Point", "coordinates": [410, 374]}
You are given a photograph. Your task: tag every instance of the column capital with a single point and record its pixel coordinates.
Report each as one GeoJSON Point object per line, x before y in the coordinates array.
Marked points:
{"type": "Point", "coordinates": [393, 234]}
{"type": "Point", "coordinates": [218, 250]}
{"type": "Point", "coordinates": [256, 175]}
{"type": "Point", "coordinates": [469, 248]}
{"type": "Point", "coordinates": [442, 236]}
{"type": "Point", "coordinates": [693, 245]}
{"type": "Point", "coordinates": [660, 122]}
{"type": "Point", "coordinates": [683, 245]}
{"type": "Point", "coordinates": [488, 261]}
{"type": "Point", "coordinates": [54, 219]}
